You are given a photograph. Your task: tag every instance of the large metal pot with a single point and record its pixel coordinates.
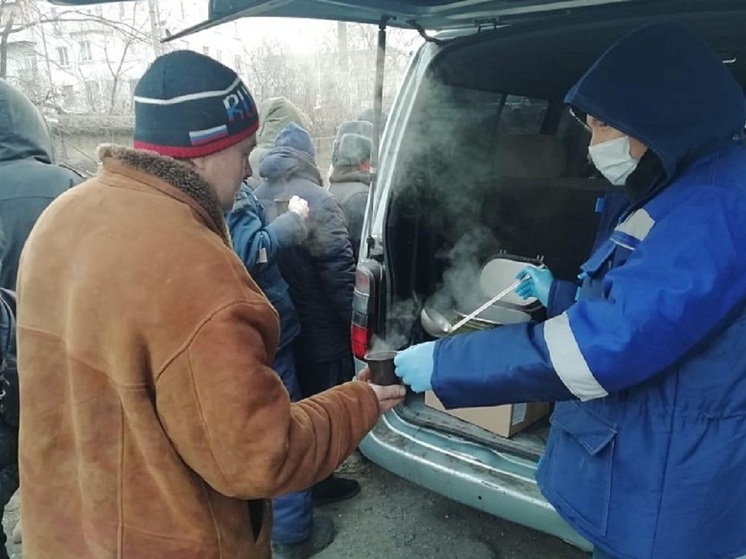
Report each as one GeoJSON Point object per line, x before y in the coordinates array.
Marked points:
{"type": "Point", "coordinates": [490, 318]}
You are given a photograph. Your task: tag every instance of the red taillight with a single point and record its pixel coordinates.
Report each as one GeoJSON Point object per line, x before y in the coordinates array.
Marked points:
{"type": "Point", "coordinates": [360, 340]}
{"type": "Point", "coordinates": [362, 308]}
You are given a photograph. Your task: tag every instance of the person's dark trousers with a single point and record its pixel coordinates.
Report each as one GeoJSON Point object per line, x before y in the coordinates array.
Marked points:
{"type": "Point", "coordinates": [8, 473]}
{"type": "Point", "coordinates": [317, 376]}
{"type": "Point", "coordinates": [293, 513]}
{"type": "Point", "coordinates": [598, 554]}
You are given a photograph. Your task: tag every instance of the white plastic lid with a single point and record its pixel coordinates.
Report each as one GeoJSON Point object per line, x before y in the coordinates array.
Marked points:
{"type": "Point", "coordinates": [498, 274]}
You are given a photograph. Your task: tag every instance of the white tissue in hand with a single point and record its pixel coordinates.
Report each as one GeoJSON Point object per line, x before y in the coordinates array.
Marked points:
{"type": "Point", "coordinates": [299, 206]}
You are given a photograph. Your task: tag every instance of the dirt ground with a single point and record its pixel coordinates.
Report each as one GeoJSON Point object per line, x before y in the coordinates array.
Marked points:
{"type": "Point", "coordinates": [394, 519]}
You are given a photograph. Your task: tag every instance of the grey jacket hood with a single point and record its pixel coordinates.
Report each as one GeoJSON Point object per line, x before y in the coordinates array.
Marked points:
{"type": "Point", "coordinates": [275, 114]}
{"type": "Point", "coordinates": [23, 131]}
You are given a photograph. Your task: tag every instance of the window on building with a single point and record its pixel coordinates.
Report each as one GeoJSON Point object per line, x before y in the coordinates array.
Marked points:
{"type": "Point", "coordinates": [238, 64]}
{"type": "Point", "coordinates": [85, 51]}
{"type": "Point", "coordinates": [63, 57]}
{"type": "Point", "coordinates": [206, 51]}
{"type": "Point", "coordinates": [29, 63]}
{"type": "Point", "coordinates": [68, 95]}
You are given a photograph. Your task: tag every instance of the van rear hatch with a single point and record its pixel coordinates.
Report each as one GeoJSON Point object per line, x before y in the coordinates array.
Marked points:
{"type": "Point", "coordinates": [433, 15]}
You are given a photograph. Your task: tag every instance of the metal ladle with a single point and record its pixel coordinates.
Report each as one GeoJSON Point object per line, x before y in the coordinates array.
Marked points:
{"type": "Point", "coordinates": [439, 326]}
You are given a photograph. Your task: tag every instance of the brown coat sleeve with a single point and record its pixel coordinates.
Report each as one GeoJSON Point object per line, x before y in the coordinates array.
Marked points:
{"type": "Point", "coordinates": [230, 419]}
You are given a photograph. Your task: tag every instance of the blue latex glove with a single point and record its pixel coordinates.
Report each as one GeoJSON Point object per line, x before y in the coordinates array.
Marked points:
{"type": "Point", "coordinates": [538, 283]}
{"type": "Point", "coordinates": [415, 365]}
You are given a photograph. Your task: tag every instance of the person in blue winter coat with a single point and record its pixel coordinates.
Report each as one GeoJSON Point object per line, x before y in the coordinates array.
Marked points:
{"type": "Point", "coordinates": [321, 275]}
{"type": "Point", "coordinates": [646, 354]}
{"type": "Point", "coordinates": [321, 270]}
{"type": "Point", "coordinates": [296, 532]}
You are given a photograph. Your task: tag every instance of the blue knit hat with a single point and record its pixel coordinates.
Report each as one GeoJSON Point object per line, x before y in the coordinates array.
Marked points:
{"type": "Point", "coordinates": [189, 105]}
{"type": "Point", "coordinates": [296, 138]}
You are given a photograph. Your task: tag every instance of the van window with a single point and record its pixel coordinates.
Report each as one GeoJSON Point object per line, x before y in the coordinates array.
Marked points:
{"type": "Point", "coordinates": [523, 115]}
{"type": "Point", "coordinates": [481, 173]}
{"type": "Point", "coordinates": [474, 115]}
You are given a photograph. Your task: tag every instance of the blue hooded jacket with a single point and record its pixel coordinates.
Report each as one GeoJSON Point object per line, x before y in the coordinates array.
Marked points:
{"type": "Point", "coordinates": [259, 245]}
{"type": "Point", "coordinates": [320, 271]}
{"type": "Point", "coordinates": [645, 456]}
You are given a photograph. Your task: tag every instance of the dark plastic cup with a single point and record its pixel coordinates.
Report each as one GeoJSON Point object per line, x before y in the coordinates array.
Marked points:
{"type": "Point", "coordinates": [281, 205]}
{"type": "Point", "coordinates": [381, 364]}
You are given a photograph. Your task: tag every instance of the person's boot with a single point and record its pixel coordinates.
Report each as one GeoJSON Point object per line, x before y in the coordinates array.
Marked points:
{"type": "Point", "coordinates": [334, 489]}
{"type": "Point", "coordinates": [322, 534]}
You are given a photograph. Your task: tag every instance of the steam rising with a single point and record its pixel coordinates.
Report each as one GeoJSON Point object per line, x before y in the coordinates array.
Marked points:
{"type": "Point", "coordinates": [444, 188]}
{"type": "Point", "coordinates": [400, 319]}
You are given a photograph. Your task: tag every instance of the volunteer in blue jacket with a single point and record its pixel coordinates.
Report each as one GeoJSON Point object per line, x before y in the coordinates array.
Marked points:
{"type": "Point", "coordinates": [646, 456]}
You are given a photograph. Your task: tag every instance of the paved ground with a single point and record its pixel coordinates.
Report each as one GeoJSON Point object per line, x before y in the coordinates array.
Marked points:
{"type": "Point", "coordinates": [10, 518]}
{"type": "Point", "coordinates": [393, 519]}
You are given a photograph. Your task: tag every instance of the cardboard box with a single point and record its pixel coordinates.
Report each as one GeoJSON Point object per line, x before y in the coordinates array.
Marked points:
{"type": "Point", "coordinates": [505, 421]}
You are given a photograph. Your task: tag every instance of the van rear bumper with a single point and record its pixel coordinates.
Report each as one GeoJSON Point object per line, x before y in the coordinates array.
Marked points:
{"type": "Point", "coordinates": [498, 483]}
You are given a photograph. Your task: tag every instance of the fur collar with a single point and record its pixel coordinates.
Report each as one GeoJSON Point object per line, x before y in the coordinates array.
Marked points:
{"type": "Point", "coordinates": [349, 174]}
{"type": "Point", "coordinates": [176, 173]}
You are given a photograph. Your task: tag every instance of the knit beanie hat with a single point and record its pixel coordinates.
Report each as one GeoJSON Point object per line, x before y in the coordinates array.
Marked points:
{"type": "Point", "coordinates": [296, 138]}
{"type": "Point", "coordinates": [353, 150]}
{"type": "Point", "coordinates": [189, 105]}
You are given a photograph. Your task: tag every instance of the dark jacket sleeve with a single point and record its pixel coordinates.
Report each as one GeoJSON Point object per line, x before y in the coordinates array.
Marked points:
{"type": "Point", "coordinates": [330, 246]}
{"type": "Point", "coordinates": [9, 410]}
{"type": "Point", "coordinates": [354, 211]}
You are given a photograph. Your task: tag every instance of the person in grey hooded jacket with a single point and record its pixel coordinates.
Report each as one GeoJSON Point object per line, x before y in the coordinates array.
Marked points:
{"type": "Point", "coordinates": [29, 177]}
{"type": "Point", "coordinates": [29, 181]}
{"type": "Point", "coordinates": [275, 113]}
{"type": "Point", "coordinates": [349, 182]}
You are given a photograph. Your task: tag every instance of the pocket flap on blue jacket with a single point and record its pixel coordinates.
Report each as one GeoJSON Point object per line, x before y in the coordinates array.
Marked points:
{"type": "Point", "coordinates": [585, 427]}
{"type": "Point", "coordinates": [597, 259]}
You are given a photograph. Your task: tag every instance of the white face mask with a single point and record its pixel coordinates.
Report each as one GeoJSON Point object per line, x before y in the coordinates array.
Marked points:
{"type": "Point", "coordinates": [613, 160]}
